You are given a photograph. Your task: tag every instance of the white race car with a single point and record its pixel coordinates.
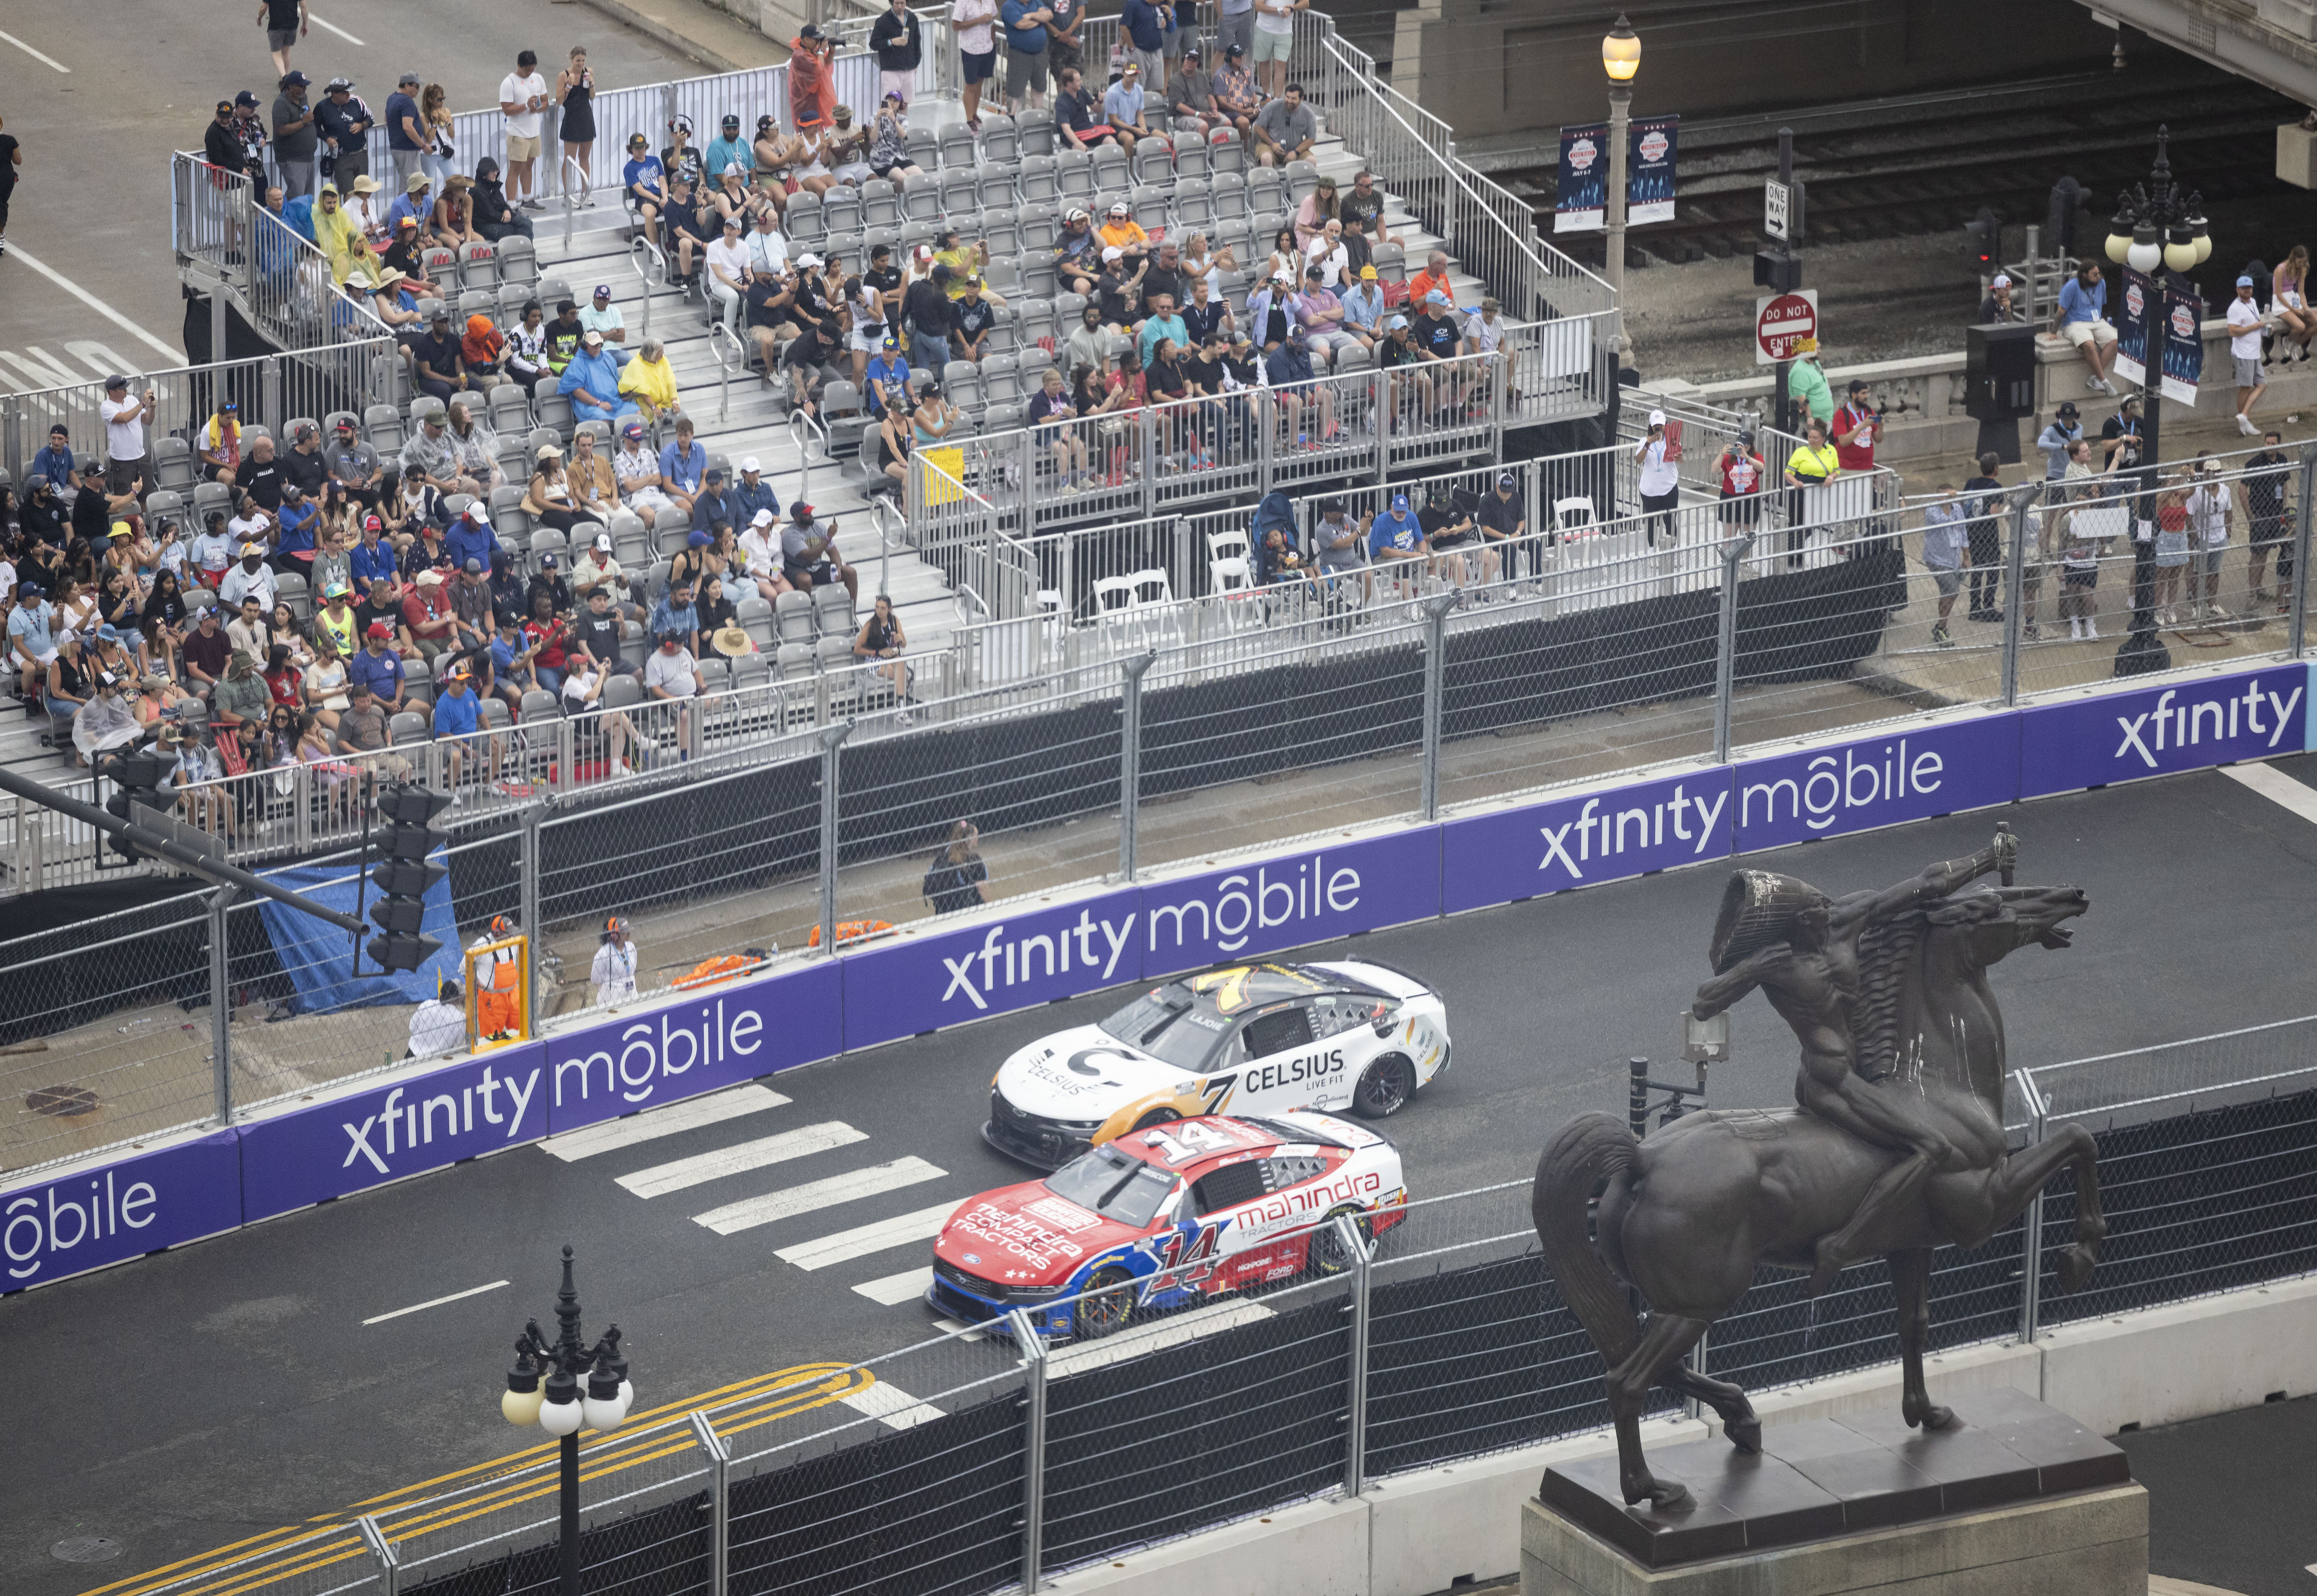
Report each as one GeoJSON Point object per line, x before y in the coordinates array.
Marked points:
{"type": "Point", "coordinates": [1249, 1039]}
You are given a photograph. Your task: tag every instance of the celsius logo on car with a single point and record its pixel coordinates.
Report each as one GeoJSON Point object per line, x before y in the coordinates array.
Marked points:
{"type": "Point", "coordinates": [1317, 1066]}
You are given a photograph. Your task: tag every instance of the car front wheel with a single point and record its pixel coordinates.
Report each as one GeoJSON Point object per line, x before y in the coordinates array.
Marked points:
{"type": "Point", "coordinates": [1385, 1086]}
{"type": "Point", "coordinates": [1328, 1254]}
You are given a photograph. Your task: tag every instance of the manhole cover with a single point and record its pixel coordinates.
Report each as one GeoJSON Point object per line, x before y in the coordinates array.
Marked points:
{"type": "Point", "coordinates": [62, 1102]}
{"type": "Point", "coordinates": [84, 1548]}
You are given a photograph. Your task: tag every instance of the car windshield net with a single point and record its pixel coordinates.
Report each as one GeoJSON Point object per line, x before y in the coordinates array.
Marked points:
{"type": "Point", "coordinates": [1170, 1023]}
{"type": "Point", "coordinates": [1114, 1183]}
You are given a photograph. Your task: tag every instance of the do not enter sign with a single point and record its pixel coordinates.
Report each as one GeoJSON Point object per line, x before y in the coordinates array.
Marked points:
{"type": "Point", "coordinates": [1781, 321]}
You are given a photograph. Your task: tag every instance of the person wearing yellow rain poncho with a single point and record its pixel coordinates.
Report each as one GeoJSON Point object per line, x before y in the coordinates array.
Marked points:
{"type": "Point", "coordinates": [338, 234]}
{"type": "Point", "coordinates": [650, 381]}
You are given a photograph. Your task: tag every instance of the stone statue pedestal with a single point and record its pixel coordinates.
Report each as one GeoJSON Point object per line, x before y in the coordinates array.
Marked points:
{"type": "Point", "coordinates": [2018, 1497]}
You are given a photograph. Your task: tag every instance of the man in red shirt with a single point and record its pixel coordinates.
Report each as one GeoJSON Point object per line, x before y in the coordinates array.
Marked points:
{"type": "Point", "coordinates": [1856, 430]}
{"type": "Point", "coordinates": [426, 612]}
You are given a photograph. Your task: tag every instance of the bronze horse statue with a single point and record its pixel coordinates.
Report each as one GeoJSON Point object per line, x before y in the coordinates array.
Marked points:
{"type": "Point", "coordinates": [1895, 982]}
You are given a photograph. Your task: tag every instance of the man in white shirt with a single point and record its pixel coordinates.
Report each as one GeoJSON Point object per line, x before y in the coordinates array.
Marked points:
{"type": "Point", "coordinates": [727, 272]}
{"type": "Point", "coordinates": [977, 49]}
{"type": "Point", "coordinates": [2244, 353]}
{"type": "Point", "coordinates": [1327, 252]}
{"type": "Point", "coordinates": [438, 1026]}
{"type": "Point", "coordinates": [614, 972]}
{"type": "Point", "coordinates": [600, 315]}
{"type": "Point", "coordinates": [670, 672]}
{"type": "Point", "coordinates": [768, 252]}
{"type": "Point", "coordinates": [637, 468]}
{"type": "Point", "coordinates": [523, 97]}
{"type": "Point", "coordinates": [124, 435]}
{"type": "Point", "coordinates": [252, 576]}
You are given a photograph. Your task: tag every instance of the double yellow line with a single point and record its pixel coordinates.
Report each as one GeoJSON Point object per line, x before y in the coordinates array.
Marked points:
{"type": "Point", "coordinates": [447, 1500]}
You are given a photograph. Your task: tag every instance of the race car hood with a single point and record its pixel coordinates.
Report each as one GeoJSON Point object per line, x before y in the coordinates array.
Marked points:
{"type": "Point", "coordinates": [1381, 977]}
{"type": "Point", "coordinates": [1081, 1074]}
{"type": "Point", "coordinates": [1025, 1235]}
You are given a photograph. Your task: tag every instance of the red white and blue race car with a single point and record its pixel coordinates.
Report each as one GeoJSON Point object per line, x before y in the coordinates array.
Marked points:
{"type": "Point", "coordinates": [1165, 1217]}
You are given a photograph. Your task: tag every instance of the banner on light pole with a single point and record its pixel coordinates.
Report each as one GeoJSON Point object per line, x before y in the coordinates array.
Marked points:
{"type": "Point", "coordinates": [1581, 204]}
{"type": "Point", "coordinates": [2136, 292]}
{"type": "Point", "coordinates": [1648, 170]}
{"type": "Point", "coordinates": [2184, 345]}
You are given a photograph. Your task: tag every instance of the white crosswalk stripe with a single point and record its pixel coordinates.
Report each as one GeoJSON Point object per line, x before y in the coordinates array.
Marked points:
{"type": "Point", "coordinates": [890, 1405]}
{"type": "Point", "coordinates": [662, 1178]}
{"type": "Point", "coordinates": [863, 1239]}
{"type": "Point", "coordinates": [954, 1327]}
{"type": "Point", "coordinates": [672, 1120]}
{"type": "Point", "coordinates": [2275, 786]}
{"type": "Point", "coordinates": [906, 1286]}
{"type": "Point", "coordinates": [819, 1194]}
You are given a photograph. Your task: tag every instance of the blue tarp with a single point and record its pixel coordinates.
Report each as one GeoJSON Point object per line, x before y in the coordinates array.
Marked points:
{"type": "Point", "coordinates": [317, 957]}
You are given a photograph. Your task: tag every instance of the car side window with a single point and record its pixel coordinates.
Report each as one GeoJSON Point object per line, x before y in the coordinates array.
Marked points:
{"type": "Point", "coordinates": [1283, 1030]}
{"type": "Point", "coordinates": [1228, 1187]}
{"type": "Point", "coordinates": [1331, 1016]}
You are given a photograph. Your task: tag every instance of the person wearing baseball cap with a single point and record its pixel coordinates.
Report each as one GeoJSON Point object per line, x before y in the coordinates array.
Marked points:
{"type": "Point", "coordinates": [2058, 439]}
{"type": "Point", "coordinates": [1121, 232]}
{"type": "Point", "coordinates": [1997, 308]}
{"type": "Point", "coordinates": [126, 417]}
{"type": "Point", "coordinates": [1396, 544]}
{"type": "Point", "coordinates": [591, 381]}
{"type": "Point", "coordinates": [599, 315]}
{"type": "Point", "coordinates": [292, 120]}
{"type": "Point", "coordinates": [344, 122]}
{"type": "Point", "coordinates": [2246, 325]}
{"type": "Point", "coordinates": [1364, 308]}
{"type": "Point", "coordinates": [407, 137]}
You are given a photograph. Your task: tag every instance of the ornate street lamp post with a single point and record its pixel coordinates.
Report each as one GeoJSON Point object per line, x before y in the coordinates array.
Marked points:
{"type": "Point", "coordinates": [545, 1387]}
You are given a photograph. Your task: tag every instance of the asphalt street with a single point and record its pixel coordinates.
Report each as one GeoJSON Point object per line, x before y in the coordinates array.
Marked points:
{"type": "Point", "coordinates": [126, 82]}
{"type": "Point", "coordinates": [2232, 1498]}
{"type": "Point", "coordinates": [181, 1402]}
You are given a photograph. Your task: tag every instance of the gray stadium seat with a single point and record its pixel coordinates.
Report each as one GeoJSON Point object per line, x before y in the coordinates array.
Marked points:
{"type": "Point", "coordinates": [1001, 140]}
{"type": "Point", "coordinates": [793, 619]}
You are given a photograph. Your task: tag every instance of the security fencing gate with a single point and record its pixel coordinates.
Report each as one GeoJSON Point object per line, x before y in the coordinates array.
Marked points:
{"type": "Point", "coordinates": [984, 1459]}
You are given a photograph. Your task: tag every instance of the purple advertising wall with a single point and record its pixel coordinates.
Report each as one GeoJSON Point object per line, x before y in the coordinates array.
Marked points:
{"type": "Point", "coordinates": [2119, 736]}
{"type": "Point", "coordinates": [725, 1036]}
{"type": "Point", "coordinates": [133, 1206]}
{"type": "Point", "coordinates": [1907, 774]}
{"type": "Point", "coordinates": [921, 983]}
{"type": "Point", "coordinates": [368, 1138]}
{"type": "Point", "coordinates": [1584, 841]}
{"type": "Point", "coordinates": [1249, 910]}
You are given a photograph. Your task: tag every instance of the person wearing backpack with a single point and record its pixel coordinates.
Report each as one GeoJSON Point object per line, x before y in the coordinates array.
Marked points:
{"type": "Point", "coordinates": [957, 878]}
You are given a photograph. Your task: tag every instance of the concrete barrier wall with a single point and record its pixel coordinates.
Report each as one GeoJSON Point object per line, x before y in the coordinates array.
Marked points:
{"type": "Point", "coordinates": [1420, 1532]}
{"type": "Point", "coordinates": [1014, 957]}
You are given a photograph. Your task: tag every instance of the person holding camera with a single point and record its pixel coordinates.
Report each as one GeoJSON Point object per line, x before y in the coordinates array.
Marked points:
{"type": "Point", "coordinates": [957, 878]}
{"type": "Point", "coordinates": [2120, 433]}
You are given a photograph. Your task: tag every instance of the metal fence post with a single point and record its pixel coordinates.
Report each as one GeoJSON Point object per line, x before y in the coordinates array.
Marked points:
{"type": "Point", "coordinates": [719, 1501]}
{"type": "Point", "coordinates": [269, 391]}
{"type": "Point", "coordinates": [1725, 648]}
{"type": "Point", "coordinates": [222, 997]}
{"type": "Point", "coordinates": [526, 871]}
{"type": "Point", "coordinates": [1435, 650]}
{"type": "Point", "coordinates": [2296, 630]}
{"type": "Point", "coordinates": [2015, 563]}
{"type": "Point", "coordinates": [2031, 1237]}
{"type": "Point", "coordinates": [1356, 1438]}
{"type": "Point", "coordinates": [831, 739]}
{"type": "Point", "coordinates": [1130, 755]}
{"type": "Point", "coordinates": [1033, 1447]}
{"type": "Point", "coordinates": [389, 1561]}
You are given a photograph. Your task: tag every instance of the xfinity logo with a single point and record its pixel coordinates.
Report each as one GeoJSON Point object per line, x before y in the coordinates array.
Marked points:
{"type": "Point", "coordinates": [1833, 783]}
{"type": "Point", "coordinates": [1272, 896]}
{"type": "Point", "coordinates": [1646, 826]}
{"type": "Point", "coordinates": [2186, 724]}
{"type": "Point", "coordinates": [643, 1052]}
{"type": "Point", "coordinates": [999, 963]}
{"type": "Point", "coordinates": [407, 1125]}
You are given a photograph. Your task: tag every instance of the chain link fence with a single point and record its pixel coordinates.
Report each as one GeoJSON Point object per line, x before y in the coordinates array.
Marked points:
{"type": "Point", "coordinates": [987, 1459]}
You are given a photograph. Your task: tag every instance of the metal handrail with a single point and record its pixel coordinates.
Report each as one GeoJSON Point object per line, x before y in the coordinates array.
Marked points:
{"type": "Point", "coordinates": [881, 511]}
{"type": "Point", "coordinates": [724, 366]}
{"type": "Point", "coordinates": [571, 203]}
{"type": "Point", "coordinates": [963, 596]}
{"type": "Point", "coordinates": [644, 276]}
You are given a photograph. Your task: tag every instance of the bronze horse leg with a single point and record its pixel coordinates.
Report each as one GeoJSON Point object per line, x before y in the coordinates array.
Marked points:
{"type": "Point", "coordinates": [1729, 1404]}
{"type": "Point", "coordinates": [1665, 1340]}
{"type": "Point", "coordinates": [1910, 1280]}
{"type": "Point", "coordinates": [2023, 1174]}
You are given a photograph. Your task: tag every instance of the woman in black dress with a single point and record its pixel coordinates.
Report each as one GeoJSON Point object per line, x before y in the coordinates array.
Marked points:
{"type": "Point", "coordinates": [574, 87]}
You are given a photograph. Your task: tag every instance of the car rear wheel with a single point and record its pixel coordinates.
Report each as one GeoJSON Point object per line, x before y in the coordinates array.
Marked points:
{"type": "Point", "coordinates": [1385, 1086]}
{"type": "Point", "coordinates": [1328, 1254]}
{"type": "Point", "coordinates": [1106, 1306]}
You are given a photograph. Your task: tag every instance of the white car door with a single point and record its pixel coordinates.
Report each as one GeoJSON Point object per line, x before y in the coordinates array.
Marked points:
{"type": "Point", "coordinates": [1284, 1063]}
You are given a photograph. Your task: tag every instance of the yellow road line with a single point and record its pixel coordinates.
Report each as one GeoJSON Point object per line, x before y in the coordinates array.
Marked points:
{"type": "Point", "coordinates": [419, 1509]}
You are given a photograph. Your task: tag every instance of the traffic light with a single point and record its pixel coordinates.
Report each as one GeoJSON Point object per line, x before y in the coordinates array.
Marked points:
{"type": "Point", "coordinates": [1778, 271]}
{"type": "Point", "coordinates": [403, 876]}
{"type": "Point", "coordinates": [139, 777]}
{"type": "Point", "coordinates": [1980, 240]}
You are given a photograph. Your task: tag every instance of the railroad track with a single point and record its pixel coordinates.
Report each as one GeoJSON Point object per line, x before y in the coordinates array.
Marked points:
{"type": "Point", "coordinates": [1926, 164]}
